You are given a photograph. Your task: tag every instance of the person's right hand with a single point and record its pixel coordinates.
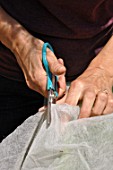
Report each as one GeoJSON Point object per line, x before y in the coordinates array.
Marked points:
{"type": "Point", "coordinates": [28, 52]}
{"type": "Point", "coordinates": [30, 61]}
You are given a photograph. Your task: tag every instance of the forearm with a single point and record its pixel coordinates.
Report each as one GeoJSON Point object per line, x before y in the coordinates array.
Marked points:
{"type": "Point", "coordinates": [12, 34]}
{"type": "Point", "coordinates": [104, 60]}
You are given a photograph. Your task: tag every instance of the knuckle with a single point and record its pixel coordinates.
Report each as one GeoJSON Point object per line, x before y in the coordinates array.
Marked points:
{"type": "Point", "coordinates": [103, 97]}
{"type": "Point", "coordinates": [77, 83]}
{"type": "Point", "coordinates": [110, 102]}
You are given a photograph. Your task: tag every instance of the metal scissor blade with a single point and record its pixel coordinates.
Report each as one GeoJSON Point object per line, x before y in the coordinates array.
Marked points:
{"type": "Point", "coordinates": [48, 115]}
{"type": "Point", "coordinates": [51, 100]}
{"type": "Point", "coordinates": [51, 83]}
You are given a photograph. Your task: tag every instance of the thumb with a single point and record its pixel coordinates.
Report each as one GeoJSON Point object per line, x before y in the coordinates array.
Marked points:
{"type": "Point", "coordinates": [56, 66]}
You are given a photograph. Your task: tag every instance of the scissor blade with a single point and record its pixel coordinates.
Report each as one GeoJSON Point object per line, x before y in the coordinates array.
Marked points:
{"type": "Point", "coordinates": [49, 102]}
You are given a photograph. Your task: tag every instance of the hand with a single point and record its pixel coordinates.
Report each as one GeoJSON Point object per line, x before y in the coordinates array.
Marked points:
{"type": "Point", "coordinates": [30, 61]}
{"type": "Point", "coordinates": [28, 52]}
{"type": "Point", "coordinates": [94, 89]}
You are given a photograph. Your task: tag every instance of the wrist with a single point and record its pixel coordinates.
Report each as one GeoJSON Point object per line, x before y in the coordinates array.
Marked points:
{"type": "Point", "coordinates": [21, 41]}
{"type": "Point", "coordinates": [104, 60]}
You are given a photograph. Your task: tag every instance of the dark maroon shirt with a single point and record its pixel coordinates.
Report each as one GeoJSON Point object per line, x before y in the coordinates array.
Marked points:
{"type": "Point", "coordinates": [77, 30]}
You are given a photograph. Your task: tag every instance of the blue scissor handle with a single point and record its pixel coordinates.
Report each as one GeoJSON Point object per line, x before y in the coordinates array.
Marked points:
{"type": "Point", "coordinates": [46, 66]}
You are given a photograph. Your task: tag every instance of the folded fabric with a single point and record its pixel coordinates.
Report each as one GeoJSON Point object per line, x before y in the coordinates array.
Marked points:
{"type": "Point", "coordinates": [68, 143]}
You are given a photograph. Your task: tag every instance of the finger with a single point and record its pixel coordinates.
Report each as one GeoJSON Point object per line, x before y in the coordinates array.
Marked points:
{"type": "Point", "coordinates": [37, 82]}
{"type": "Point", "coordinates": [62, 100]}
{"type": "Point", "coordinates": [74, 93]}
{"type": "Point", "coordinates": [109, 106]}
{"type": "Point", "coordinates": [87, 104]}
{"type": "Point", "coordinates": [61, 82]}
{"type": "Point", "coordinates": [100, 104]}
{"type": "Point", "coordinates": [61, 86]}
{"type": "Point", "coordinates": [56, 67]}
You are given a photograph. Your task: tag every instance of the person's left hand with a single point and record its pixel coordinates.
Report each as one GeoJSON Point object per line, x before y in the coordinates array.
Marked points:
{"type": "Point", "coordinates": [94, 89]}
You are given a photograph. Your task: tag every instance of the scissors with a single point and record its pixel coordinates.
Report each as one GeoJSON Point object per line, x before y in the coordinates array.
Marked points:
{"type": "Point", "coordinates": [51, 87]}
